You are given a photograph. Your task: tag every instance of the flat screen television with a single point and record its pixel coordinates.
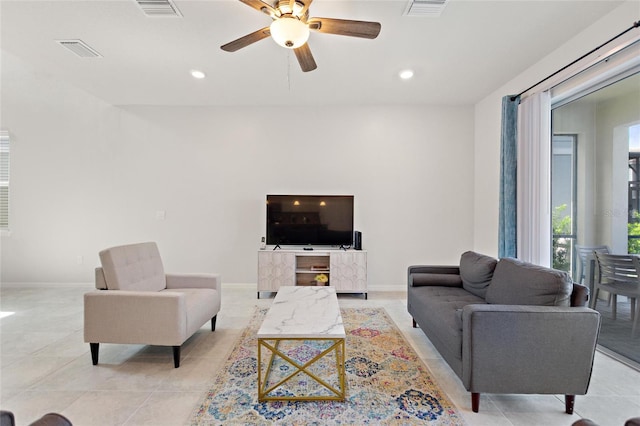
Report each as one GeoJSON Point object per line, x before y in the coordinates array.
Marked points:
{"type": "Point", "coordinates": [323, 220]}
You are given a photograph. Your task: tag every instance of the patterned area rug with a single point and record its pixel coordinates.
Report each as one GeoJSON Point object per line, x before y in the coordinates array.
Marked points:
{"type": "Point", "coordinates": [387, 384]}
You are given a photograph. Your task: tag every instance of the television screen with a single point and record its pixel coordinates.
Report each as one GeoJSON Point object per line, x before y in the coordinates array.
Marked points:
{"type": "Point", "coordinates": [310, 220]}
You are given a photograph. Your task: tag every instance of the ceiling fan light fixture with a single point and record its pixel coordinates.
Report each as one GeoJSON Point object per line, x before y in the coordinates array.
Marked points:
{"type": "Point", "coordinates": [289, 32]}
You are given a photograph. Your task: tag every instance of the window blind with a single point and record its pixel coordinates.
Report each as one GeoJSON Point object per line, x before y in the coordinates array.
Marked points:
{"type": "Point", "coordinates": [4, 179]}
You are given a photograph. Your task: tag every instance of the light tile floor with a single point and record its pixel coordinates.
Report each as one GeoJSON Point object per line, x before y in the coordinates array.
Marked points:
{"type": "Point", "coordinates": [46, 366]}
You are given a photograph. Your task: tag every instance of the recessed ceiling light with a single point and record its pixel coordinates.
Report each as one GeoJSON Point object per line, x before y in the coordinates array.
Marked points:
{"type": "Point", "coordinates": [198, 74]}
{"type": "Point", "coordinates": [406, 74]}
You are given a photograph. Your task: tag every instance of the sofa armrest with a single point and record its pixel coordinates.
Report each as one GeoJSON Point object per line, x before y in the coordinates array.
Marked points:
{"type": "Point", "coordinates": [421, 275]}
{"type": "Point", "coordinates": [528, 349]}
{"type": "Point", "coordinates": [142, 317]}
{"type": "Point", "coordinates": [579, 295]}
{"type": "Point", "coordinates": [212, 281]}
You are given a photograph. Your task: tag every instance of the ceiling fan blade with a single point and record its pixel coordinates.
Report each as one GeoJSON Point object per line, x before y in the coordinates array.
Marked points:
{"type": "Point", "coordinates": [345, 27]}
{"type": "Point", "coordinates": [305, 58]}
{"type": "Point", "coordinates": [261, 6]}
{"type": "Point", "coordinates": [246, 40]}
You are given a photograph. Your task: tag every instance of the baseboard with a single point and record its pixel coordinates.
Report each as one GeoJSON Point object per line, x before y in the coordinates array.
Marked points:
{"type": "Point", "coordinates": [252, 286]}
{"type": "Point", "coordinates": [45, 285]}
{"type": "Point", "coordinates": [381, 288]}
{"type": "Point", "coordinates": [387, 287]}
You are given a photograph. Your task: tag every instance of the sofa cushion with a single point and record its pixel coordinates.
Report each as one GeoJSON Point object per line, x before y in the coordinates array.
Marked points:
{"type": "Point", "coordinates": [438, 311]}
{"type": "Point", "coordinates": [521, 283]}
{"type": "Point", "coordinates": [476, 271]}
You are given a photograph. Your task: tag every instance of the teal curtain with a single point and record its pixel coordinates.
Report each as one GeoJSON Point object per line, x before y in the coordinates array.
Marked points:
{"type": "Point", "coordinates": [507, 221]}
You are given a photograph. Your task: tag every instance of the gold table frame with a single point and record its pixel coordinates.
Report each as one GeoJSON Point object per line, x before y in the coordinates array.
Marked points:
{"type": "Point", "coordinates": [337, 346]}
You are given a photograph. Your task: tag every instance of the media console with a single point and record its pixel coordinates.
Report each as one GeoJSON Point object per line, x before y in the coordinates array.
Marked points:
{"type": "Point", "coordinates": [346, 270]}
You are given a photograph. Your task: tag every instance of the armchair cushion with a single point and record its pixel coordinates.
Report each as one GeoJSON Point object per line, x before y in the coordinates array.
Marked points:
{"type": "Point", "coordinates": [522, 283]}
{"type": "Point", "coordinates": [133, 267]}
{"type": "Point", "coordinates": [476, 271]}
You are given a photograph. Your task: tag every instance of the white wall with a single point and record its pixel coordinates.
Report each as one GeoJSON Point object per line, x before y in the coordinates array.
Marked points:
{"type": "Point", "coordinates": [488, 110]}
{"type": "Point", "coordinates": [86, 175]}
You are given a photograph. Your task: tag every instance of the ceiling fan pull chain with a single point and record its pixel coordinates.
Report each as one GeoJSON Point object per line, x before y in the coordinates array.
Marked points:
{"type": "Point", "coordinates": [289, 70]}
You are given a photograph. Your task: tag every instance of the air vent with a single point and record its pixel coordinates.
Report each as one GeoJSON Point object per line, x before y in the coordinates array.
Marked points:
{"type": "Point", "coordinates": [425, 8]}
{"type": "Point", "coordinates": [159, 8]}
{"type": "Point", "coordinates": [80, 48]}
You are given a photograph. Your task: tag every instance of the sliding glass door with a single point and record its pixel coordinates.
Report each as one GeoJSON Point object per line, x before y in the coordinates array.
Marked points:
{"type": "Point", "coordinates": [633, 212]}
{"type": "Point", "coordinates": [595, 167]}
{"type": "Point", "coordinates": [595, 190]}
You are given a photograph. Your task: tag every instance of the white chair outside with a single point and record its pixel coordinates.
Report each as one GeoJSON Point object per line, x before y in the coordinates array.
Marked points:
{"type": "Point", "coordinates": [585, 254]}
{"type": "Point", "coordinates": [619, 274]}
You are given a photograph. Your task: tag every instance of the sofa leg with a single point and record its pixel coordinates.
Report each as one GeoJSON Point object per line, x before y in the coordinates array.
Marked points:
{"type": "Point", "coordinates": [176, 356]}
{"type": "Point", "coordinates": [95, 348]}
{"type": "Point", "coordinates": [569, 401]}
{"type": "Point", "coordinates": [475, 402]}
{"type": "Point", "coordinates": [213, 323]}
{"type": "Point", "coordinates": [414, 323]}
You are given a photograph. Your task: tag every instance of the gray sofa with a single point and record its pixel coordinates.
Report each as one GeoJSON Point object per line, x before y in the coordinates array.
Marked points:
{"type": "Point", "coordinates": [507, 326]}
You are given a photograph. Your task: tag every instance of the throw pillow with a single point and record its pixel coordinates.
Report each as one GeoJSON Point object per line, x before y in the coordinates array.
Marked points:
{"type": "Point", "coordinates": [521, 283]}
{"type": "Point", "coordinates": [476, 271]}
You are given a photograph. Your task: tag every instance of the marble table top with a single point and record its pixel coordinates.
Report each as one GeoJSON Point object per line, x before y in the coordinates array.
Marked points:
{"type": "Point", "coordinates": [301, 311]}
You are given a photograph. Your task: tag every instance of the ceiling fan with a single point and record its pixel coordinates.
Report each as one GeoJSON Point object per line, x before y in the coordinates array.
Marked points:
{"type": "Point", "coordinates": [291, 25]}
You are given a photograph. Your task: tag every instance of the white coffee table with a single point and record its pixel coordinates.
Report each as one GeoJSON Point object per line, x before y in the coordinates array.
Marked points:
{"type": "Point", "coordinates": [300, 339]}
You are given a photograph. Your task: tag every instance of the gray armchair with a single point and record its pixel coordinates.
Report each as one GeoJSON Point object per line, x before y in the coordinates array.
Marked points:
{"type": "Point", "coordinates": [137, 303]}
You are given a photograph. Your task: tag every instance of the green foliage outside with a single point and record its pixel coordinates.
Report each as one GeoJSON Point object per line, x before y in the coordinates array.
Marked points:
{"type": "Point", "coordinates": [561, 225]}
{"type": "Point", "coordinates": [633, 228]}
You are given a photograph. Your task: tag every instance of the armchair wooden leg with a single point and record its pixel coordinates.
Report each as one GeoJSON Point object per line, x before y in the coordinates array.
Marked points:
{"type": "Point", "coordinates": [95, 348]}
{"type": "Point", "coordinates": [414, 323]}
{"type": "Point", "coordinates": [475, 402]}
{"type": "Point", "coordinates": [213, 323]}
{"type": "Point", "coordinates": [569, 401]}
{"type": "Point", "coordinates": [176, 356]}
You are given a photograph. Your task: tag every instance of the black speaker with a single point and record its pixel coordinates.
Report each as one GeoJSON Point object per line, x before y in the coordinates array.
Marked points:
{"type": "Point", "coordinates": [357, 240]}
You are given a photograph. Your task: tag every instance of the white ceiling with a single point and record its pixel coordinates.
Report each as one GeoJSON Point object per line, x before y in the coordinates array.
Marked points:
{"type": "Point", "coordinates": [472, 49]}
